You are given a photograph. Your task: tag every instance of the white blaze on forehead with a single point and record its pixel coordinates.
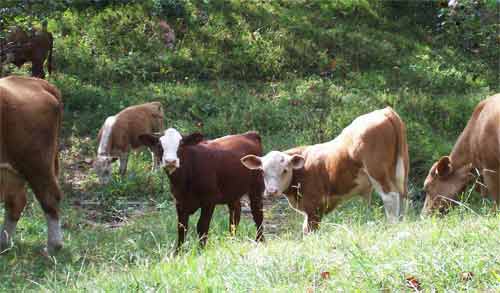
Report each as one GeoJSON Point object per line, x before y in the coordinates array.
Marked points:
{"type": "Point", "coordinates": [106, 136]}
{"type": "Point", "coordinates": [274, 164]}
{"type": "Point", "coordinates": [170, 142]}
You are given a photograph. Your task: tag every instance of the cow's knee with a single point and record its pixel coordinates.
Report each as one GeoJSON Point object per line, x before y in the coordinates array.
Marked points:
{"type": "Point", "coordinates": [392, 205]}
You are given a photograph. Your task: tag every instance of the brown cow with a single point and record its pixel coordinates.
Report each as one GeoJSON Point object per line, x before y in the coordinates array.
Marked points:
{"type": "Point", "coordinates": [34, 46]}
{"type": "Point", "coordinates": [205, 173]}
{"type": "Point", "coordinates": [478, 146]}
{"type": "Point", "coordinates": [370, 153]}
{"type": "Point", "coordinates": [30, 120]}
{"type": "Point", "coordinates": [120, 134]}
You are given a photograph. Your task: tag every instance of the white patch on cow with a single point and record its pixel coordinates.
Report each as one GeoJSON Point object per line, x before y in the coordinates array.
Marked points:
{"type": "Point", "coordinates": [392, 201]}
{"type": "Point", "coordinates": [400, 174]}
{"type": "Point", "coordinates": [54, 233]}
{"type": "Point", "coordinates": [170, 142]}
{"type": "Point", "coordinates": [106, 136]}
{"type": "Point", "coordinates": [7, 232]}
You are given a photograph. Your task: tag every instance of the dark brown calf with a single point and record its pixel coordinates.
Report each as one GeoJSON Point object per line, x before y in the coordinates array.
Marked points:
{"type": "Point", "coordinates": [30, 119]}
{"type": "Point", "coordinates": [206, 173]}
{"type": "Point", "coordinates": [21, 47]}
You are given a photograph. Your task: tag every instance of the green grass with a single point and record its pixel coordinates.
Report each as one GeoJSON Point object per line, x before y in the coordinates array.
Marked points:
{"type": "Point", "coordinates": [359, 250]}
{"type": "Point", "coordinates": [242, 65]}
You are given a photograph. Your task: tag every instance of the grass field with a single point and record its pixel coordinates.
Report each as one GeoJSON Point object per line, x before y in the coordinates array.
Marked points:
{"type": "Point", "coordinates": [355, 250]}
{"type": "Point", "coordinates": [297, 72]}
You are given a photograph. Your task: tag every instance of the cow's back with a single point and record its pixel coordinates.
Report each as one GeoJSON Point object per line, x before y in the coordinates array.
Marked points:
{"type": "Point", "coordinates": [485, 133]}
{"type": "Point", "coordinates": [31, 113]}
{"type": "Point", "coordinates": [216, 165]}
{"type": "Point", "coordinates": [136, 120]}
{"type": "Point", "coordinates": [246, 143]}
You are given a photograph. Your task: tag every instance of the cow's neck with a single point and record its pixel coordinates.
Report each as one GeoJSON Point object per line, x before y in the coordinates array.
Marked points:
{"type": "Point", "coordinates": [461, 154]}
{"type": "Point", "coordinates": [295, 189]}
{"type": "Point", "coordinates": [180, 177]}
{"type": "Point", "coordinates": [105, 143]}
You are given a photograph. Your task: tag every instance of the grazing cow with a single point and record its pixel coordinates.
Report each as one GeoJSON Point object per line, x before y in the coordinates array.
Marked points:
{"type": "Point", "coordinates": [120, 134]}
{"type": "Point", "coordinates": [205, 173]}
{"type": "Point", "coordinates": [370, 153]}
{"type": "Point", "coordinates": [30, 120]}
{"type": "Point", "coordinates": [22, 47]}
{"type": "Point", "coordinates": [478, 146]}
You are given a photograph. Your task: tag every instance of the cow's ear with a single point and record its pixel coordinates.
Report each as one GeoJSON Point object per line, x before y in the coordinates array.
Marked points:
{"type": "Point", "coordinates": [192, 139]}
{"type": "Point", "coordinates": [149, 139]}
{"type": "Point", "coordinates": [252, 162]}
{"type": "Point", "coordinates": [444, 167]}
{"type": "Point", "coordinates": [297, 162]}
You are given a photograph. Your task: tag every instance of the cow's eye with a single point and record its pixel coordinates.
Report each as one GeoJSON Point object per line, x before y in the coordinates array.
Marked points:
{"type": "Point", "coordinates": [285, 171]}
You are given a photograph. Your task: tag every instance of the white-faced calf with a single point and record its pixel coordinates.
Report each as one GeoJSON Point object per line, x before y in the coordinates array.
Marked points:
{"type": "Point", "coordinates": [371, 152]}
{"type": "Point", "coordinates": [203, 174]}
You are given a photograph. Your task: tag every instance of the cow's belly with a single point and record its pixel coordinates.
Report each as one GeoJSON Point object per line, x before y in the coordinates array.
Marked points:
{"type": "Point", "coordinates": [317, 200]}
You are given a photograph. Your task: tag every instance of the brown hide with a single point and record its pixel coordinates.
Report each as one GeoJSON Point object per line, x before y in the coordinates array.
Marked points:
{"type": "Point", "coordinates": [132, 122]}
{"type": "Point", "coordinates": [336, 170]}
{"type": "Point", "coordinates": [478, 146]}
{"type": "Point", "coordinates": [211, 173]}
{"type": "Point", "coordinates": [34, 47]}
{"type": "Point", "coordinates": [30, 120]}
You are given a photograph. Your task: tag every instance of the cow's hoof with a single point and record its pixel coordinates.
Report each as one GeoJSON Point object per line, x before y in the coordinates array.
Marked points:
{"type": "Point", "coordinates": [53, 248]}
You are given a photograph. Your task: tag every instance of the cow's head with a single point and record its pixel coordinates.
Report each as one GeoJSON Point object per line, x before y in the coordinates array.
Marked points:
{"type": "Point", "coordinates": [443, 184]}
{"type": "Point", "coordinates": [277, 168]}
{"type": "Point", "coordinates": [103, 168]}
{"type": "Point", "coordinates": [171, 143]}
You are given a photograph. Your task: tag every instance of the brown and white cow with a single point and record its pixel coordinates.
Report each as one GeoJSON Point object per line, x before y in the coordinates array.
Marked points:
{"type": "Point", "coordinates": [203, 174]}
{"type": "Point", "coordinates": [120, 134]}
{"type": "Point", "coordinates": [478, 146]}
{"type": "Point", "coordinates": [30, 120]}
{"type": "Point", "coordinates": [371, 152]}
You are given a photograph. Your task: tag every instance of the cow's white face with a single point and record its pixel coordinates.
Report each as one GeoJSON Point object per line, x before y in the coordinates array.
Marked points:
{"type": "Point", "coordinates": [170, 142]}
{"type": "Point", "coordinates": [277, 169]}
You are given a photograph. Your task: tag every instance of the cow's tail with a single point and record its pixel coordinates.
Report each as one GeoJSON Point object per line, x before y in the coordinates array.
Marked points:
{"type": "Point", "coordinates": [59, 113]}
{"type": "Point", "coordinates": [49, 58]}
{"type": "Point", "coordinates": [402, 157]}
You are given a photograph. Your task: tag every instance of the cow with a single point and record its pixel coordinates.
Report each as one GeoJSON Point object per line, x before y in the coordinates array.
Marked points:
{"type": "Point", "coordinates": [21, 47]}
{"type": "Point", "coordinates": [371, 152]}
{"type": "Point", "coordinates": [477, 147]}
{"type": "Point", "coordinates": [204, 173]}
{"type": "Point", "coordinates": [30, 120]}
{"type": "Point", "coordinates": [120, 134]}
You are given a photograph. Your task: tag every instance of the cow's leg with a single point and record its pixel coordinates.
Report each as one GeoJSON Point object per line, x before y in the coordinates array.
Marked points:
{"type": "Point", "coordinates": [234, 216]}
{"type": "Point", "coordinates": [15, 201]}
{"type": "Point", "coordinates": [182, 226]}
{"type": "Point", "coordinates": [37, 68]}
{"type": "Point", "coordinates": [123, 163]}
{"type": "Point", "coordinates": [392, 199]}
{"type": "Point", "coordinates": [49, 195]}
{"type": "Point", "coordinates": [155, 161]}
{"type": "Point", "coordinates": [311, 222]}
{"type": "Point", "coordinates": [204, 223]}
{"type": "Point", "coordinates": [258, 214]}
{"type": "Point", "coordinates": [491, 180]}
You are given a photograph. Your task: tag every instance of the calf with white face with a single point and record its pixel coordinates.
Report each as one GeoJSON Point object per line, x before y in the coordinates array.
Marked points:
{"type": "Point", "coordinates": [370, 153]}
{"type": "Point", "coordinates": [205, 173]}
{"type": "Point", "coordinates": [277, 168]}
